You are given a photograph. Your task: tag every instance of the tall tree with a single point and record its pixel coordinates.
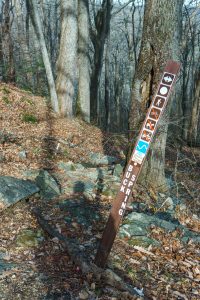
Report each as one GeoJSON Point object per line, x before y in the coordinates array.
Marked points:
{"type": "Point", "coordinates": [66, 64]}
{"type": "Point", "coordinates": [37, 24]}
{"type": "Point", "coordinates": [160, 42]}
{"type": "Point", "coordinates": [7, 51]}
{"type": "Point", "coordinates": [98, 36]}
{"type": "Point", "coordinates": [193, 134]}
{"type": "Point", "coordinates": [84, 61]}
{"type": "Point", "coordinates": [191, 75]}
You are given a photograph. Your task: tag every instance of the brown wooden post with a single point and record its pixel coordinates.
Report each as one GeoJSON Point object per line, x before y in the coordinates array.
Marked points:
{"type": "Point", "coordinates": [137, 159]}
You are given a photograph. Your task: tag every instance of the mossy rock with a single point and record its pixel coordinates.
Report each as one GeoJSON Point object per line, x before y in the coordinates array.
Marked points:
{"type": "Point", "coordinates": [108, 192]}
{"type": "Point", "coordinates": [29, 238]}
{"type": "Point", "coordinates": [143, 241]}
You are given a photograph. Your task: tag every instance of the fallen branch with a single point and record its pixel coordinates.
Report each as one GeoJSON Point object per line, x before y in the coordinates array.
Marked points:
{"type": "Point", "coordinates": [80, 259]}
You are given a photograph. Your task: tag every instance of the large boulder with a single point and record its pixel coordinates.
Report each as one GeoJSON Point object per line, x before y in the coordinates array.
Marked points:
{"type": "Point", "coordinates": [48, 185]}
{"type": "Point", "coordinates": [13, 190]}
{"type": "Point", "coordinates": [138, 224]}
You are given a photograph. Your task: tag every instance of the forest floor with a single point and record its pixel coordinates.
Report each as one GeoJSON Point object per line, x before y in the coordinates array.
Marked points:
{"type": "Point", "coordinates": [32, 138]}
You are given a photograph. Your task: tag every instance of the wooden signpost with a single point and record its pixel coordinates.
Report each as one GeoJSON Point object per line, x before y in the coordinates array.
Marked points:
{"type": "Point", "coordinates": [137, 159]}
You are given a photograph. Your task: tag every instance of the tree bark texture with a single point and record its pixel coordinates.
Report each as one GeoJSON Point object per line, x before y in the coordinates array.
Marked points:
{"type": "Point", "coordinates": [193, 133]}
{"type": "Point", "coordinates": [7, 51]}
{"type": "Point", "coordinates": [99, 35]}
{"type": "Point", "coordinates": [84, 61]}
{"type": "Point", "coordinates": [160, 42]}
{"type": "Point", "coordinates": [67, 64]}
{"type": "Point", "coordinates": [37, 24]}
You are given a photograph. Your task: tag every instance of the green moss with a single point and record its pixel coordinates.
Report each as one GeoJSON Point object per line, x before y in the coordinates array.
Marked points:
{"type": "Point", "coordinates": [138, 242]}
{"type": "Point", "coordinates": [73, 168]}
{"type": "Point", "coordinates": [29, 118]}
{"type": "Point", "coordinates": [37, 150]}
{"type": "Point", "coordinates": [108, 192]}
{"type": "Point", "coordinates": [5, 90]}
{"type": "Point", "coordinates": [27, 100]}
{"type": "Point", "coordinates": [143, 241]}
{"type": "Point", "coordinates": [6, 100]}
{"type": "Point", "coordinates": [169, 275]}
{"type": "Point", "coordinates": [29, 238]}
{"type": "Point", "coordinates": [131, 273]}
{"type": "Point", "coordinates": [65, 153]}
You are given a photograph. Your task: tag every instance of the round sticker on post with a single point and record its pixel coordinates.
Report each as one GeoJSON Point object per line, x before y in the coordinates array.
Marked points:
{"type": "Point", "coordinates": [163, 90]}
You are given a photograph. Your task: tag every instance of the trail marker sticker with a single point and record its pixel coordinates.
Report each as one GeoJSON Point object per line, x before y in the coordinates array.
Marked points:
{"type": "Point", "coordinates": [163, 90]}
{"type": "Point", "coordinates": [146, 136]}
{"type": "Point", "coordinates": [168, 78]}
{"type": "Point", "coordinates": [150, 125]}
{"type": "Point", "coordinates": [137, 159]}
{"type": "Point", "coordinates": [159, 102]}
{"type": "Point", "coordinates": [154, 113]}
{"type": "Point", "coordinates": [142, 147]}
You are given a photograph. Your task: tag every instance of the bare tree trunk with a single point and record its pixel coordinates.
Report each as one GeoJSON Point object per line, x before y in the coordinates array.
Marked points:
{"type": "Point", "coordinates": [36, 21]}
{"type": "Point", "coordinates": [66, 64]}
{"type": "Point", "coordinates": [107, 86]}
{"type": "Point", "coordinates": [99, 35]}
{"type": "Point", "coordinates": [193, 134]}
{"type": "Point", "coordinates": [160, 42]}
{"type": "Point", "coordinates": [7, 44]}
{"type": "Point", "coordinates": [84, 63]}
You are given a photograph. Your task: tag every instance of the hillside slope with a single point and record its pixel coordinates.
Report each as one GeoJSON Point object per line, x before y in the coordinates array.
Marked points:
{"type": "Point", "coordinates": [33, 137]}
{"type": "Point", "coordinates": [157, 248]}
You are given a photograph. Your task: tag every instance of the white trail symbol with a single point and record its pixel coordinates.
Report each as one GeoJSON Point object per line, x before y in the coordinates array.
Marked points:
{"type": "Point", "coordinates": [168, 79]}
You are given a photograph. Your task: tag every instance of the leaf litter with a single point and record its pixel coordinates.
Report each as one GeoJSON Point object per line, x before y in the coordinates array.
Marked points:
{"type": "Point", "coordinates": [170, 271]}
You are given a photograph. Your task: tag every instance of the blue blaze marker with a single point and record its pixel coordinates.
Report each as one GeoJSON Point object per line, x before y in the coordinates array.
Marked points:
{"type": "Point", "coordinates": [142, 146]}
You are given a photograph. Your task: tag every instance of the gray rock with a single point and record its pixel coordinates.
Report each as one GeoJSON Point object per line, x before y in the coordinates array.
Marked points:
{"type": "Point", "coordinates": [162, 195]}
{"type": "Point", "coordinates": [140, 217]}
{"type": "Point", "coordinates": [99, 159]}
{"type": "Point", "coordinates": [2, 255]}
{"type": "Point", "coordinates": [118, 170]}
{"type": "Point", "coordinates": [79, 211]}
{"type": "Point", "coordinates": [139, 224]}
{"type": "Point", "coordinates": [49, 188]}
{"type": "Point", "coordinates": [169, 226]}
{"type": "Point", "coordinates": [79, 186]}
{"type": "Point", "coordinates": [148, 220]}
{"type": "Point", "coordinates": [110, 190]}
{"type": "Point", "coordinates": [182, 207]}
{"type": "Point", "coordinates": [79, 167]}
{"type": "Point", "coordinates": [169, 203]}
{"type": "Point", "coordinates": [5, 266]}
{"type": "Point", "coordinates": [22, 154]}
{"type": "Point", "coordinates": [13, 190]}
{"type": "Point", "coordinates": [130, 230]}
{"type": "Point", "coordinates": [31, 174]}
{"type": "Point", "coordinates": [189, 235]}
{"type": "Point", "coordinates": [70, 166]}
{"type": "Point", "coordinates": [138, 206]}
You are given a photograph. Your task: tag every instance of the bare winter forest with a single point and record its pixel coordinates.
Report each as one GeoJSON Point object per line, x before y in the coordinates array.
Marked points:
{"type": "Point", "coordinates": [77, 80]}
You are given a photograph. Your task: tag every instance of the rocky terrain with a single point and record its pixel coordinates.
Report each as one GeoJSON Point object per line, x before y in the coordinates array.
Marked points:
{"type": "Point", "coordinates": [58, 179]}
